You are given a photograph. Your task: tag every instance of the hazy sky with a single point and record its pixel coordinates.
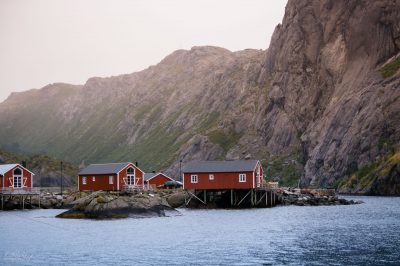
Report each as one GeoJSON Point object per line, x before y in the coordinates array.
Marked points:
{"type": "Point", "coordinates": [47, 41]}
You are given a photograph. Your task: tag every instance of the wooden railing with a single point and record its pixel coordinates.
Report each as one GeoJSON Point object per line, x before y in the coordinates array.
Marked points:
{"type": "Point", "coordinates": [132, 188]}
{"type": "Point", "coordinates": [20, 191]}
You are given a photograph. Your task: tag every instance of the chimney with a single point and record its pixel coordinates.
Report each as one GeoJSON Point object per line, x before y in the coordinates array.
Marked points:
{"type": "Point", "coordinates": [136, 163]}
{"type": "Point", "coordinates": [154, 172]}
{"type": "Point", "coordinates": [23, 163]}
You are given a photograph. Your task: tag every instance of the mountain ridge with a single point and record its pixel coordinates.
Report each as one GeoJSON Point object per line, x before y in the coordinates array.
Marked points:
{"type": "Point", "coordinates": [314, 106]}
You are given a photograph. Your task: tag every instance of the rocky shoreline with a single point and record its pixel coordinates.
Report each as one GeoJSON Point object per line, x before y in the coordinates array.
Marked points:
{"type": "Point", "coordinates": [312, 197]}
{"type": "Point", "coordinates": [111, 205]}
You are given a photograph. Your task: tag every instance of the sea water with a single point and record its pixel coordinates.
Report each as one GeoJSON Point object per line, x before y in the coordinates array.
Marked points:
{"type": "Point", "coordinates": [365, 234]}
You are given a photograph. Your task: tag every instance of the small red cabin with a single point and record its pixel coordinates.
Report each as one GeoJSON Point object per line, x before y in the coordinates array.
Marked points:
{"type": "Point", "coordinates": [155, 180]}
{"type": "Point", "coordinates": [15, 176]}
{"type": "Point", "coordinates": [111, 176]}
{"type": "Point", "coordinates": [244, 174]}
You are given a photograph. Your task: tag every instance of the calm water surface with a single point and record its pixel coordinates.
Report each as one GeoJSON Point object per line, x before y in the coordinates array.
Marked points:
{"type": "Point", "coordinates": [366, 234]}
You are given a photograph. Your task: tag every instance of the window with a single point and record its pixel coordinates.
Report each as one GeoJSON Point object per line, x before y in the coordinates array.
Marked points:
{"type": "Point", "coordinates": [84, 181]}
{"type": "Point", "coordinates": [130, 176]}
{"type": "Point", "coordinates": [193, 178]}
{"type": "Point", "coordinates": [110, 180]}
{"type": "Point", "coordinates": [242, 177]}
{"type": "Point", "coordinates": [211, 177]}
{"type": "Point", "coordinates": [93, 178]}
{"type": "Point", "coordinates": [17, 177]}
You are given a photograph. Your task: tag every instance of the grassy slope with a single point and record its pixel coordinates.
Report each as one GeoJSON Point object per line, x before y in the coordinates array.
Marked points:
{"type": "Point", "coordinates": [366, 178]}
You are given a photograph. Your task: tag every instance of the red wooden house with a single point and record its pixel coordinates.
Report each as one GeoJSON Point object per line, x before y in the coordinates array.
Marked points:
{"type": "Point", "coordinates": [155, 180]}
{"type": "Point", "coordinates": [244, 174]}
{"type": "Point", "coordinates": [15, 176]}
{"type": "Point", "coordinates": [111, 176]}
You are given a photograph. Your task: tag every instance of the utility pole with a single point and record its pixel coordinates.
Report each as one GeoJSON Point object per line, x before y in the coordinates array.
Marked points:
{"type": "Point", "coordinates": [61, 168]}
{"type": "Point", "coordinates": [180, 169]}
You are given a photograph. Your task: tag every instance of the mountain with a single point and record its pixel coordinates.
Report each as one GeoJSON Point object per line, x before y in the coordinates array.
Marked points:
{"type": "Point", "coordinates": [47, 170]}
{"type": "Point", "coordinates": [321, 103]}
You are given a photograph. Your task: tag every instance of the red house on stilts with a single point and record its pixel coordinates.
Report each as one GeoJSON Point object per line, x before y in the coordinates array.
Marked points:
{"type": "Point", "coordinates": [15, 177]}
{"type": "Point", "coordinates": [240, 181]}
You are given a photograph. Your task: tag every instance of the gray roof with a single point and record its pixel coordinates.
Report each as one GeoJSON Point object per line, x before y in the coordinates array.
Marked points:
{"type": "Point", "coordinates": [4, 168]}
{"type": "Point", "coordinates": [99, 169]}
{"type": "Point", "coordinates": [148, 176]}
{"type": "Point", "coordinates": [220, 166]}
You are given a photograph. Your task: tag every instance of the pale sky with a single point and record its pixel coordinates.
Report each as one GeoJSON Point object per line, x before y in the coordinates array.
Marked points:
{"type": "Point", "coordinates": [47, 41]}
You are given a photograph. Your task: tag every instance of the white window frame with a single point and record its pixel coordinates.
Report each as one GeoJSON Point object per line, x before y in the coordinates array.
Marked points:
{"type": "Point", "coordinates": [211, 177]}
{"type": "Point", "coordinates": [242, 178]}
{"type": "Point", "coordinates": [194, 179]}
{"type": "Point", "coordinates": [111, 180]}
{"type": "Point", "coordinates": [93, 178]}
{"type": "Point", "coordinates": [84, 180]}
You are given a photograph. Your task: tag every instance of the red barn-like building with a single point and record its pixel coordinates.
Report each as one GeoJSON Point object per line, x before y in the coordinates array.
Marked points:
{"type": "Point", "coordinates": [111, 176]}
{"type": "Point", "coordinates": [155, 180]}
{"type": "Point", "coordinates": [244, 174]}
{"type": "Point", "coordinates": [15, 176]}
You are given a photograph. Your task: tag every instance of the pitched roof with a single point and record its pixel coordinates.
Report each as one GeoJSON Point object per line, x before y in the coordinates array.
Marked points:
{"type": "Point", "coordinates": [4, 168]}
{"type": "Point", "coordinates": [148, 176]}
{"type": "Point", "coordinates": [107, 168]}
{"type": "Point", "coordinates": [220, 166]}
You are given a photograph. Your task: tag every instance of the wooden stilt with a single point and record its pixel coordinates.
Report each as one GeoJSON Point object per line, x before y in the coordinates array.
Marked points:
{"type": "Point", "coordinates": [231, 197]}
{"type": "Point", "coordinates": [23, 202]}
{"type": "Point", "coordinates": [205, 196]}
{"type": "Point", "coordinates": [271, 198]}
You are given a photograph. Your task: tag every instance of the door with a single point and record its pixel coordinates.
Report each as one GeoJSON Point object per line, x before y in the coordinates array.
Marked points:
{"type": "Point", "coordinates": [258, 176]}
{"type": "Point", "coordinates": [17, 178]}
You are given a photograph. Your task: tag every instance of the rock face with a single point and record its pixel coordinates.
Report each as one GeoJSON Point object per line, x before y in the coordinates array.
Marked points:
{"type": "Point", "coordinates": [106, 205]}
{"type": "Point", "coordinates": [321, 103]}
{"type": "Point", "coordinates": [328, 98]}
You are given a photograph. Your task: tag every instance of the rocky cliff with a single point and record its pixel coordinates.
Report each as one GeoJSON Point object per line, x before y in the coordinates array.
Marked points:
{"type": "Point", "coordinates": [321, 103]}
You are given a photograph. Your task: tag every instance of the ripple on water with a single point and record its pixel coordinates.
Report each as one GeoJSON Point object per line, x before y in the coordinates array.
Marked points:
{"type": "Point", "coordinates": [367, 234]}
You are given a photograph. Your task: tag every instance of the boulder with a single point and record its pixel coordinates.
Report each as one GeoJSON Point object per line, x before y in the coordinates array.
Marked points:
{"type": "Point", "coordinates": [108, 205]}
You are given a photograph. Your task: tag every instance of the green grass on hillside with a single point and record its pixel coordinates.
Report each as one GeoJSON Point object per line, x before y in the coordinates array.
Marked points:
{"type": "Point", "coordinates": [365, 177]}
{"type": "Point", "coordinates": [283, 169]}
{"type": "Point", "coordinates": [224, 139]}
{"type": "Point", "coordinates": [390, 68]}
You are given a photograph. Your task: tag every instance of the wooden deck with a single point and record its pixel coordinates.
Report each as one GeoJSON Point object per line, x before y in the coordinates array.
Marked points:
{"type": "Point", "coordinates": [22, 194]}
{"type": "Point", "coordinates": [20, 191]}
